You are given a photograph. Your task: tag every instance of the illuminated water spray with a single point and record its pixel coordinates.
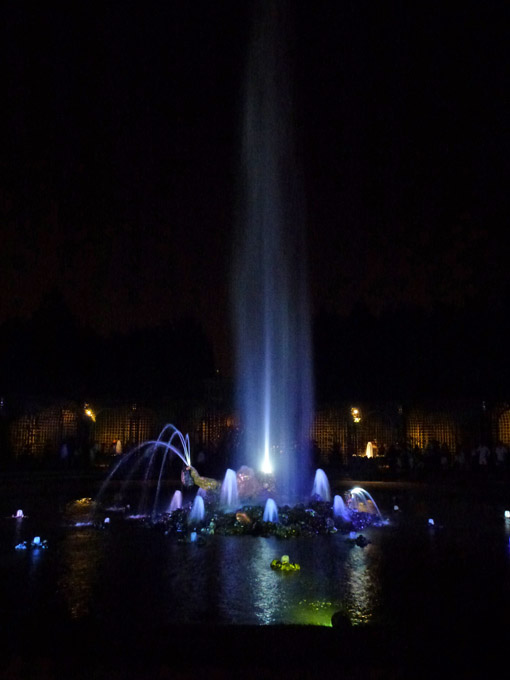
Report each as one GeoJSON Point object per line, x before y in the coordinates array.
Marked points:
{"type": "Point", "coordinates": [270, 291]}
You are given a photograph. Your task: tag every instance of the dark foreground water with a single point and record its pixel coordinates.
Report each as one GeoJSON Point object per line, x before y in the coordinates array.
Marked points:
{"type": "Point", "coordinates": [129, 599]}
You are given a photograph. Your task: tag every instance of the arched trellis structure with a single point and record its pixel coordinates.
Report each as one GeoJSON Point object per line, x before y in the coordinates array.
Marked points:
{"type": "Point", "coordinates": [337, 432]}
{"type": "Point", "coordinates": [214, 427]}
{"type": "Point", "coordinates": [330, 433]}
{"type": "Point", "coordinates": [131, 425]}
{"type": "Point", "coordinates": [37, 429]}
{"type": "Point", "coordinates": [503, 426]}
{"type": "Point", "coordinates": [380, 427]}
{"type": "Point", "coordinates": [41, 431]}
{"type": "Point", "coordinates": [424, 427]}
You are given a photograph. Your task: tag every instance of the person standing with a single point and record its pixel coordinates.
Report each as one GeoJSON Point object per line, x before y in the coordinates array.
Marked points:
{"type": "Point", "coordinates": [501, 454]}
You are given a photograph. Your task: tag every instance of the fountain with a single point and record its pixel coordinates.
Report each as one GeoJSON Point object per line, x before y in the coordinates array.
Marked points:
{"type": "Point", "coordinates": [145, 467]}
{"type": "Point", "coordinates": [270, 291]}
{"type": "Point", "coordinates": [229, 496]}
{"type": "Point", "coordinates": [211, 586]}
{"type": "Point", "coordinates": [197, 513]}
{"type": "Point", "coordinates": [362, 502]}
{"type": "Point", "coordinates": [270, 511]}
{"type": "Point", "coordinates": [321, 486]}
{"type": "Point", "coordinates": [176, 502]}
{"type": "Point", "coordinates": [274, 387]}
{"type": "Point", "coordinates": [340, 509]}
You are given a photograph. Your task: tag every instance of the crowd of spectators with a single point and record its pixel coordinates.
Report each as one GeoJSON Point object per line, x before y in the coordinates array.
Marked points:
{"type": "Point", "coordinates": [399, 461]}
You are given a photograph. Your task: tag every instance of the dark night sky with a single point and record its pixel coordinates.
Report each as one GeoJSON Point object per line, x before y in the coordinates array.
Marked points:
{"type": "Point", "coordinates": [120, 158]}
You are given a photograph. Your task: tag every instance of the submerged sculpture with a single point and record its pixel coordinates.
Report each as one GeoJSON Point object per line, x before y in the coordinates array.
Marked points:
{"type": "Point", "coordinates": [284, 564]}
{"type": "Point", "coordinates": [206, 483]}
{"type": "Point", "coordinates": [36, 543]}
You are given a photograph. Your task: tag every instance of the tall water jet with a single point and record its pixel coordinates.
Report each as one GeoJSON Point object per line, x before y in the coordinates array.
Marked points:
{"type": "Point", "coordinates": [270, 289]}
{"type": "Point", "coordinates": [229, 496]}
{"type": "Point", "coordinates": [321, 486]}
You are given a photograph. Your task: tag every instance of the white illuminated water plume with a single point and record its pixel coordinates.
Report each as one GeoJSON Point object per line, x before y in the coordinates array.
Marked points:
{"type": "Point", "coordinates": [321, 486]}
{"type": "Point", "coordinates": [362, 501]}
{"type": "Point", "coordinates": [270, 288]}
{"type": "Point", "coordinates": [149, 461]}
{"type": "Point", "coordinates": [229, 495]}
{"type": "Point", "coordinates": [270, 511]}
{"type": "Point", "coordinates": [197, 511]}
{"type": "Point", "coordinates": [340, 509]}
{"type": "Point", "coordinates": [176, 502]}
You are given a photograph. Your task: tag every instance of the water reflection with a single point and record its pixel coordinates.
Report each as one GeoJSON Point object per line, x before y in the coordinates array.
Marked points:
{"type": "Point", "coordinates": [362, 584]}
{"type": "Point", "coordinates": [333, 577]}
{"type": "Point", "coordinates": [81, 557]}
{"type": "Point", "coordinates": [269, 590]}
{"type": "Point", "coordinates": [190, 583]}
{"type": "Point", "coordinates": [130, 573]}
{"type": "Point", "coordinates": [320, 591]}
{"type": "Point", "coordinates": [249, 592]}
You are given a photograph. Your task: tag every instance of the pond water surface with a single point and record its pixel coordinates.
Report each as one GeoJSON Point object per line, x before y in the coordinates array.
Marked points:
{"type": "Point", "coordinates": [411, 577]}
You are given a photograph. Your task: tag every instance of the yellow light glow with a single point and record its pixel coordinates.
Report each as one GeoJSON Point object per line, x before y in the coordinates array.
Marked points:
{"type": "Point", "coordinates": [356, 414]}
{"type": "Point", "coordinates": [90, 413]}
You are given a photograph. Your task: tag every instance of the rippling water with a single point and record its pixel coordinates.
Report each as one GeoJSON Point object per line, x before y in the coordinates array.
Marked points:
{"type": "Point", "coordinates": [130, 576]}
